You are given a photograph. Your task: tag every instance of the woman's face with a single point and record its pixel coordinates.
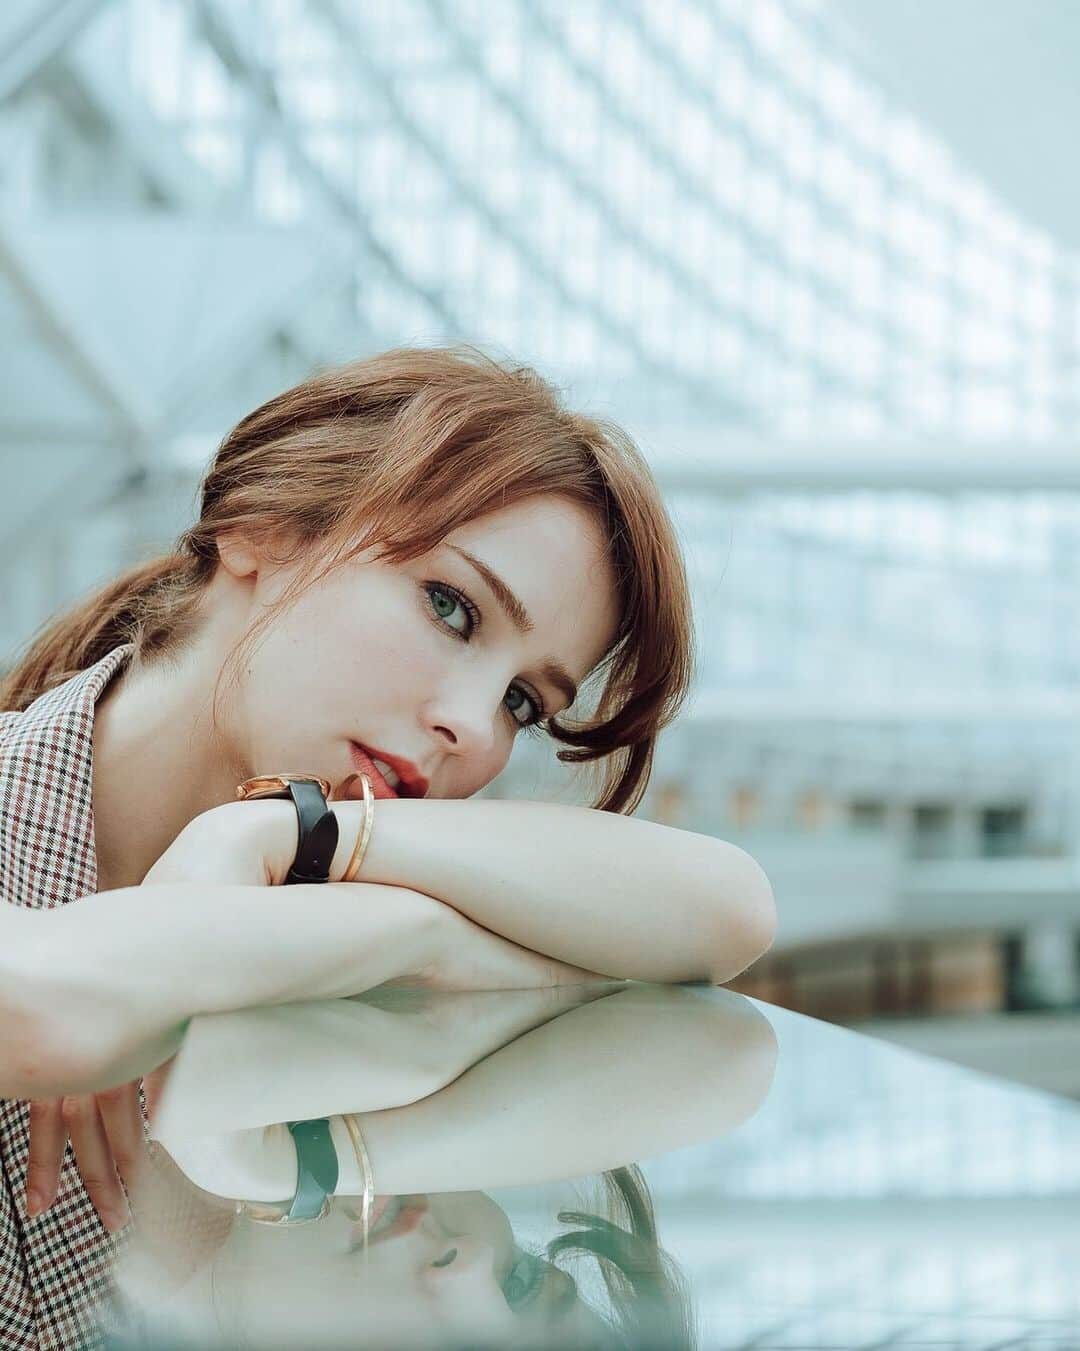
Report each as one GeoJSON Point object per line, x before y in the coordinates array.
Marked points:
{"type": "Point", "coordinates": [422, 660]}
{"type": "Point", "coordinates": [439, 1271]}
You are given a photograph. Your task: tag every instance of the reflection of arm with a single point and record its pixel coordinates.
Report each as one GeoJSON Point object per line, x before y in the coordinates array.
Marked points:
{"type": "Point", "coordinates": [625, 1077]}
{"type": "Point", "coordinates": [254, 1067]}
{"type": "Point", "coordinates": [635, 1074]}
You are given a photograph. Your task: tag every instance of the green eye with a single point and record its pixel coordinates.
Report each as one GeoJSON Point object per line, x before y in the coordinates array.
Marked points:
{"type": "Point", "coordinates": [444, 600]}
{"type": "Point", "coordinates": [517, 701]}
{"type": "Point", "coordinates": [525, 1279]}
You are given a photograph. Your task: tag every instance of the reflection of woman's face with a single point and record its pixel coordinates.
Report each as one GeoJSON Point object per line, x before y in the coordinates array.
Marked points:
{"type": "Point", "coordinates": [440, 1270]}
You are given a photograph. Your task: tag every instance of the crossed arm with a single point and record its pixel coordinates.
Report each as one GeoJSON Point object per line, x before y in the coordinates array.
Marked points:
{"type": "Point", "coordinates": [456, 894]}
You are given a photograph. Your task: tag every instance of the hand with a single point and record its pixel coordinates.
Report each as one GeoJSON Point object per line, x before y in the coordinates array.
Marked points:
{"type": "Point", "coordinates": [249, 843]}
{"type": "Point", "coordinates": [239, 843]}
{"type": "Point", "coordinates": [106, 1132]}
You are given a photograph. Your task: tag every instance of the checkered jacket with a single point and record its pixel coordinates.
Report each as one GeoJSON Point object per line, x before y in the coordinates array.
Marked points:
{"type": "Point", "coordinates": [54, 1268]}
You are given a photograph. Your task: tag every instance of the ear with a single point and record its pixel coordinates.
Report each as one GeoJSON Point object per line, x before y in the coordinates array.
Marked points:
{"type": "Point", "coordinates": [238, 555]}
{"type": "Point", "coordinates": [245, 559]}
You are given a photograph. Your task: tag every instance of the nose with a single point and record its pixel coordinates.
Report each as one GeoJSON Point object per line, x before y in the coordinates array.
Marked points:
{"type": "Point", "coordinates": [463, 721]}
{"type": "Point", "coordinates": [473, 1258]}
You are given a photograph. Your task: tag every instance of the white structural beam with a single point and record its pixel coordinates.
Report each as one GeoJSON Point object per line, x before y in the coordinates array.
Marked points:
{"type": "Point", "coordinates": [32, 32]}
{"type": "Point", "coordinates": [715, 460]}
{"type": "Point", "coordinates": [120, 399]}
{"type": "Point", "coordinates": [1006, 893]}
{"type": "Point", "coordinates": [771, 707]}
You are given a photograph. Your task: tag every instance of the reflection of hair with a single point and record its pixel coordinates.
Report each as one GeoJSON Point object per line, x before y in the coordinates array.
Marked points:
{"type": "Point", "coordinates": [398, 450]}
{"type": "Point", "coordinates": [649, 1297]}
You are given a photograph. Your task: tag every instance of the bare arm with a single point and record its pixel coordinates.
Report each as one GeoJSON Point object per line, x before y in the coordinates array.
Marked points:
{"type": "Point", "coordinates": [622, 896]}
{"type": "Point", "coordinates": [102, 989]}
{"type": "Point", "coordinates": [260, 1066]}
{"type": "Point", "coordinates": [109, 982]}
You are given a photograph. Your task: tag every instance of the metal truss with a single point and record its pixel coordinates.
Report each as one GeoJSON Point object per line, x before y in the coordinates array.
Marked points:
{"type": "Point", "coordinates": [702, 393]}
{"type": "Point", "coordinates": [37, 31]}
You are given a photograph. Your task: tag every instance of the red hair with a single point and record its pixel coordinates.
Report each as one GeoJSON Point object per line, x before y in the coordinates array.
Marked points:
{"type": "Point", "coordinates": [397, 451]}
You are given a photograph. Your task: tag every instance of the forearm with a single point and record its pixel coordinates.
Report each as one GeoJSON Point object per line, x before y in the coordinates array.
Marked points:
{"type": "Point", "coordinates": [630, 1076]}
{"type": "Point", "coordinates": [618, 895]}
{"type": "Point", "coordinates": [254, 1067]}
{"type": "Point", "coordinates": [662, 1068]}
{"type": "Point", "coordinates": [115, 976]}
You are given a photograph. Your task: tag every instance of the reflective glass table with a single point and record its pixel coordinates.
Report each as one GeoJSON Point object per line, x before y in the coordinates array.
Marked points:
{"type": "Point", "coordinates": [601, 1166]}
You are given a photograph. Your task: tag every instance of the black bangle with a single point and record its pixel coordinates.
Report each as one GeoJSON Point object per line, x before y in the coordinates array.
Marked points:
{"type": "Point", "coordinates": [316, 1168]}
{"type": "Point", "coordinates": [316, 824]}
{"type": "Point", "coordinates": [317, 828]}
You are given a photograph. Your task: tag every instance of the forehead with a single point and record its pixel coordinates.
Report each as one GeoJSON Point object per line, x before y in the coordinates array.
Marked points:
{"type": "Point", "coordinates": [539, 519]}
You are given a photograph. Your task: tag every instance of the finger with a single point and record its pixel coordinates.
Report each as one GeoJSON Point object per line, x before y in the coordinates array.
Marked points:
{"type": "Point", "coordinates": [154, 1085]}
{"type": "Point", "coordinates": [96, 1167]}
{"type": "Point", "coordinates": [48, 1140]}
{"type": "Point", "coordinates": [121, 1117]}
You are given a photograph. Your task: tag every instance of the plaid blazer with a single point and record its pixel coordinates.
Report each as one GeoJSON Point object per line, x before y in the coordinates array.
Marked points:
{"type": "Point", "coordinates": [54, 1268]}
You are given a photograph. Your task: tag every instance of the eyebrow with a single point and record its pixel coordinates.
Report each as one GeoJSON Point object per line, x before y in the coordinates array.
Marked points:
{"type": "Point", "coordinates": [551, 669]}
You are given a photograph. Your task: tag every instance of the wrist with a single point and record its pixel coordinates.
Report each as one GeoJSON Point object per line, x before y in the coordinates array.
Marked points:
{"type": "Point", "coordinates": [271, 825]}
{"type": "Point", "coordinates": [350, 819]}
{"type": "Point", "coordinates": [386, 850]}
{"type": "Point", "coordinates": [397, 842]}
{"type": "Point", "coordinates": [271, 828]}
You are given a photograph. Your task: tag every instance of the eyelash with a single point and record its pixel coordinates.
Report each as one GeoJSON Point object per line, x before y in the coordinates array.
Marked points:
{"type": "Point", "coordinates": [532, 727]}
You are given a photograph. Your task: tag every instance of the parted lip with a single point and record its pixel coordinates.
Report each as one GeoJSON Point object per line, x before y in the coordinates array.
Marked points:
{"type": "Point", "coordinates": [412, 782]}
{"type": "Point", "coordinates": [404, 1212]}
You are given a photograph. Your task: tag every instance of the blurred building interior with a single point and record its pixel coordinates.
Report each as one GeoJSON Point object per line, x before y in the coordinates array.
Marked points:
{"type": "Point", "coordinates": [819, 258]}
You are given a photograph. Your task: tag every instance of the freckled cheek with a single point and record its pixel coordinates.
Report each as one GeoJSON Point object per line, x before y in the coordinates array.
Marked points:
{"type": "Point", "coordinates": [482, 772]}
{"type": "Point", "coordinates": [397, 655]}
{"type": "Point", "coordinates": [465, 1292]}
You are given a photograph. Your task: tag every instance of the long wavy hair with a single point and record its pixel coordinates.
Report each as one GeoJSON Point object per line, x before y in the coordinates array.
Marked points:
{"type": "Point", "coordinates": [394, 452]}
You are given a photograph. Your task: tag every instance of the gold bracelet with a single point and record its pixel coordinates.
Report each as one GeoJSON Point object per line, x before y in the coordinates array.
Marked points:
{"type": "Point", "coordinates": [353, 1127]}
{"type": "Point", "coordinates": [360, 848]}
{"type": "Point", "coordinates": [266, 1213]}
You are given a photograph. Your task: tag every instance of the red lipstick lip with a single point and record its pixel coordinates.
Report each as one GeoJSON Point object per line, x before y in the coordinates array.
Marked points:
{"type": "Point", "coordinates": [411, 1212]}
{"type": "Point", "coordinates": [412, 782]}
{"type": "Point", "coordinates": [379, 1205]}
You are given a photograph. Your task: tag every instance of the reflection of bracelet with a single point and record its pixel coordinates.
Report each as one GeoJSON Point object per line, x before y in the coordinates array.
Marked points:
{"type": "Point", "coordinates": [360, 848]}
{"type": "Point", "coordinates": [316, 1178]}
{"type": "Point", "coordinates": [317, 1173]}
{"type": "Point", "coordinates": [366, 1171]}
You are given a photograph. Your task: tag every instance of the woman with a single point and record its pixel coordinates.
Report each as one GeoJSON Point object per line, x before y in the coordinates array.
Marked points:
{"type": "Point", "coordinates": [559, 1087]}
{"type": "Point", "coordinates": [406, 561]}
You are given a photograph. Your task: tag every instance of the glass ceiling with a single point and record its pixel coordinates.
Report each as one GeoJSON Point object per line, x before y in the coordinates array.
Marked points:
{"type": "Point", "coordinates": [703, 216]}
{"type": "Point", "coordinates": [714, 196]}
